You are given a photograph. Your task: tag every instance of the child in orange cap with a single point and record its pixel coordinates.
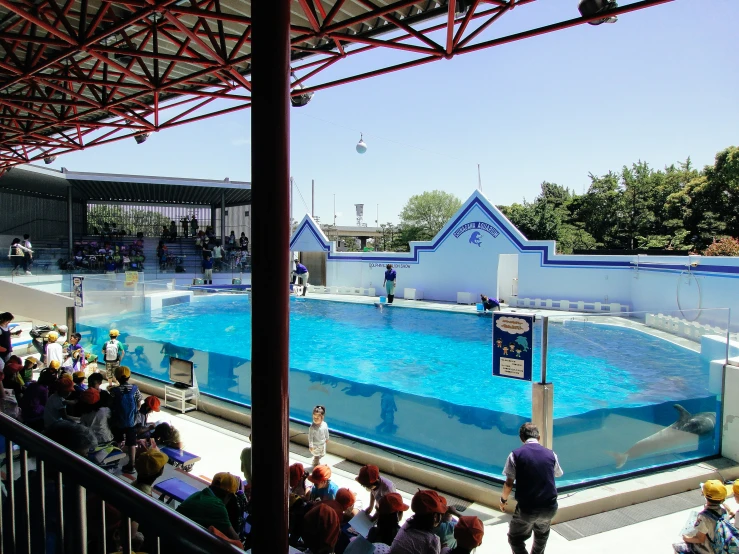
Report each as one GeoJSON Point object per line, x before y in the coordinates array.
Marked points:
{"type": "Point", "coordinates": [323, 487]}
{"type": "Point", "coordinates": [390, 511]}
{"type": "Point", "coordinates": [378, 486]}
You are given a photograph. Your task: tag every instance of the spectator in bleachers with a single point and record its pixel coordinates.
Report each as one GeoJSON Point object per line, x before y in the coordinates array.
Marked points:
{"type": "Point", "coordinates": [29, 365]}
{"type": "Point", "coordinates": [246, 461]}
{"type": "Point", "coordinates": [208, 506]}
{"type": "Point", "coordinates": [17, 255]}
{"type": "Point", "coordinates": [194, 225]}
{"type": "Point", "coordinates": [144, 429]}
{"type": "Point", "coordinates": [56, 406]}
{"type": "Point", "coordinates": [323, 487]}
{"type": "Point", "coordinates": [185, 224]}
{"type": "Point", "coordinates": [217, 254]}
{"type": "Point", "coordinates": [73, 408]}
{"type": "Point", "coordinates": [76, 353]}
{"type": "Point", "coordinates": [32, 405]}
{"type": "Point", "coordinates": [49, 376]}
{"type": "Point", "coordinates": [28, 253]}
{"type": "Point", "coordinates": [243, 242]}
{"type": "Point", "coordinates": [417, 535]}
{"type": "Point", "coordinates": [321, 528]}
{"type": "Point", "coordinates": [54, 350]}
{"type": "Point", "coordinates": [126, 401]}
{"type": "Point", "coordinates": [112, 355]}
{"type": "Point", "coordinates": [231, 241]}
{"type": "Point", "coordinates": [468, 534]}
{"type": "Point", "coordinates": [346, 499]}
{"type": "Point", "coordinates": [390, 510]}
{"type": "Point", "coordinates": [95, 408]}
{"type": "Point", "coordinates": [298, 477]}
{"type": "Point", "coordinates": [378, 486]}
{"type": "Point", "coordinates": [172, 231]}
{"type": "Point", "coordinates": [12, 379]}
{"type": "Point", "coordinates": [207, 268]}
{"type": "Point", "coordinates": [149, 467]}
{"type": "Point", "coordinates": [166, 435]}
{"type": "Point", "coordinates": [6, 345]}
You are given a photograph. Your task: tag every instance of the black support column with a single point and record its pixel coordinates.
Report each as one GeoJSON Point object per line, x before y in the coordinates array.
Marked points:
{"type": "Point", "coordinates": [270, 210]}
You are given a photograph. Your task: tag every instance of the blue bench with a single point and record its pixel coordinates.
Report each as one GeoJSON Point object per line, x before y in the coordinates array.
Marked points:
{"type": "Point", "coordinates": [174, 489]}
{"type": "Point", "coordinates": [180, 459]}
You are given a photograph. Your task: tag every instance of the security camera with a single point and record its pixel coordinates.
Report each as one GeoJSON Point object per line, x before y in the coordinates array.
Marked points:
{"type": "Point", "coordinates": [590, 8]}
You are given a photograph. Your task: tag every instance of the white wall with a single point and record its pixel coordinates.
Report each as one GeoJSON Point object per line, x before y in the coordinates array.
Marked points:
{"type": "Point", "coordinates": [507, 273]}
{"type": "Point", "coordinates": [455, 261]}
{"type": "Point", "coordinates": [32, 303]}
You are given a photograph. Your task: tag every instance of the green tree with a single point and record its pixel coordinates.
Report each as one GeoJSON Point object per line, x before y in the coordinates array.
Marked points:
{"type": "Point", "coordinates": [425, 214]}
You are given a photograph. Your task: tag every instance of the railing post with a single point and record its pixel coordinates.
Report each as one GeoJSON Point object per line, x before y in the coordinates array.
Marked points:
{"type": "Point", "coordinates": [10, 486]}
{"type": "Point", "coordinates": [71, 320]}
{"type": "Point", "coordinates": [270, 122]}
{"type": "Point", "coordinates": [542, 394]}
{"type": "Point", "coordinates": [80, 523]}
{"type": "Point", "coordinates": [25, 500]}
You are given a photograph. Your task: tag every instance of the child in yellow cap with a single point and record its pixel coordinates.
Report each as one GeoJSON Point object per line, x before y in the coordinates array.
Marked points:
{"type": "Point", "coordinates": [112, 355]}
{"type": "Point", "coordinates": [704, 530]}
{"type": "Point", "coordinates": [54, 350]}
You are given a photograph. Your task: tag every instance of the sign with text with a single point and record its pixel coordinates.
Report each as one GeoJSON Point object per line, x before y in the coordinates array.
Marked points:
{"type": "Point", "coordinates": [513, 340]}
{"type": "Point", "coordinates": [77, 291]}
{"type": "Point", "coordinates": [132, 277]}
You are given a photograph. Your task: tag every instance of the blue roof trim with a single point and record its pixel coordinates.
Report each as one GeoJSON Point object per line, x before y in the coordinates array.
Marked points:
{"type": "Point", "coordinates": [548, 255]}
{"type": "Point", "coordinates": [310, 226]}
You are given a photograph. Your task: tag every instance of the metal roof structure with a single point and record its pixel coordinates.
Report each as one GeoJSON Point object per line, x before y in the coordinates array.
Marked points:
{"type": "Point", "coordinates": [134, 189]}
{"type": "Point", "coordinates": [80, 73]}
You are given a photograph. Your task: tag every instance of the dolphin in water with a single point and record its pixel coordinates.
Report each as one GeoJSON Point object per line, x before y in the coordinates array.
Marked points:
{"type": "Point", "coordinates": [679, 433]}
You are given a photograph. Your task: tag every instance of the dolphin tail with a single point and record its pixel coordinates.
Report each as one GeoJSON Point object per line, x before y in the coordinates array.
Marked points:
{"type": "Point", "coordinates": [620, 458]}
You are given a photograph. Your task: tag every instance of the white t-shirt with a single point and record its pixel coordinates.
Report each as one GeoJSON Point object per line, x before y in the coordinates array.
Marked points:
{"type": "Point", "coordinates": [97, 421]}
{"type": "Point", "coordinates": [54, 351]}
{"type": "Point", "coordinates": [317, 434]}
{"type": "Point", "coordinates": [216, 251]}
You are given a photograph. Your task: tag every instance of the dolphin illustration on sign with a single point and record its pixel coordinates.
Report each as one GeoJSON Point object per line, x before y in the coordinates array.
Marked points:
{"type": "Point", "coordinates": [476, 238]}
{"type": "Point", "coordinates": [679, 433]}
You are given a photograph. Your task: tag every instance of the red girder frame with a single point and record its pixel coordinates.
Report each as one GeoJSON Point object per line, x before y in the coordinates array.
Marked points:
{"type": "Point", "coordinates": [80, 73]}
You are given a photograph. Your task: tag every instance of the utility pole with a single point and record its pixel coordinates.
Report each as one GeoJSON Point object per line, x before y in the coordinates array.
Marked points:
{"type": "Point", "coordinates": [312, 198]}
{"type": "Point", "coordinates": [291, 204]}
{"type": "Point", "coordinates": [479, 179]}
{"type": "Point", "coordinates": [334, 210]}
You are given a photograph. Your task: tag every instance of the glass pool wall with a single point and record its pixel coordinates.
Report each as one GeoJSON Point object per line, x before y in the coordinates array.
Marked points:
{"type": "Point", "coordinates": [592, 443]}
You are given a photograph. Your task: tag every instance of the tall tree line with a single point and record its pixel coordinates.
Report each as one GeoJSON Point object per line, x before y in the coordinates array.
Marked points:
{"type": "Point", "coordinates": [676, 208]}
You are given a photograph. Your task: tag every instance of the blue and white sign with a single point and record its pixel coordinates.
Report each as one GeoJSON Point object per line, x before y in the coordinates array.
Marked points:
{"type": "Point", "coordinates": [513, 340]}
{"type": "Point", "coordinates": [77, 291]}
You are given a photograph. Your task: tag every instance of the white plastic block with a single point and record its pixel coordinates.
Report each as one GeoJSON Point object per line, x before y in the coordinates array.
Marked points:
{"type": "Point", "coordinates": [465, 298]}
{"type": "Point", "coordinates": [615, 308]}
{"type": "Point", "coordinates": [548, 303]}
{"type": "Point", "coordinates": [412, 294]}
{"type": "Point", "coordinates": [564, 305]}
{"type": "Point", "coordinates": [371, 291]}
{"type": "Point", "coordinates": [581, 305]}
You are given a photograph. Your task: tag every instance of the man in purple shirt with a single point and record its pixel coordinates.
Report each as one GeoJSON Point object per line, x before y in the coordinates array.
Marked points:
{"type": "Point", "coordinates": [389, 283]}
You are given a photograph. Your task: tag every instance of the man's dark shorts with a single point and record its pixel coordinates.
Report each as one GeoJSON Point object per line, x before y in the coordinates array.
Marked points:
{"type": "Point", "coordinates": [129, 434]}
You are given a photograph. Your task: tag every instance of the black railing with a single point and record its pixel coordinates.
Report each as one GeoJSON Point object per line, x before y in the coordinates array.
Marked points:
{"type": "Point", "coordinates": [74, 478]}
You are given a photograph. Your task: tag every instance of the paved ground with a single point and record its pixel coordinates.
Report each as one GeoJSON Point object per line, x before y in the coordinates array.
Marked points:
{"type": "Point", "coordinates": [220, 443]}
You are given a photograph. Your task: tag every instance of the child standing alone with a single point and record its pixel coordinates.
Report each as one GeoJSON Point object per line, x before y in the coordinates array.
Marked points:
{"type": "Point", "coordinates": [318, 435]}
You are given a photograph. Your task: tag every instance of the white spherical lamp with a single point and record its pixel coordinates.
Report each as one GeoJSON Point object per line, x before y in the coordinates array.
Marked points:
{"type": "Point", "coordinates": [361, 145]}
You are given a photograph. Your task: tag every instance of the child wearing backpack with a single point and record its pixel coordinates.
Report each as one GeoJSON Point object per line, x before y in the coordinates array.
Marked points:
{"type": "Point", "coordinates": [126, 401]}
{"type": "Point", "coordinates": [112, 355]}
{"type": "Point", "coordinates": [712, 532]}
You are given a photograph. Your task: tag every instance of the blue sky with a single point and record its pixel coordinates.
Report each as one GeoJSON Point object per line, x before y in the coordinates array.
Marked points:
{"type": "Point", "coordinates": [660, 85]}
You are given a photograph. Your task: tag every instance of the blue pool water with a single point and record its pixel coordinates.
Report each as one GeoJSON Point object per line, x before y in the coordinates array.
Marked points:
{"type": "Point", "coordinates": [440, 354]}
{"type": "Point", "coordinates": [407, 377]}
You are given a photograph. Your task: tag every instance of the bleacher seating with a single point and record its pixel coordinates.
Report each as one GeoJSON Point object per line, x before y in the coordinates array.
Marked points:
{"type": "Point", "coordinates": [570, 305]}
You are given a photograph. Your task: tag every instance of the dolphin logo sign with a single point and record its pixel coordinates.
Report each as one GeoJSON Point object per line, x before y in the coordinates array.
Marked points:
{"type": "Point", "coordinates": [476, 238]}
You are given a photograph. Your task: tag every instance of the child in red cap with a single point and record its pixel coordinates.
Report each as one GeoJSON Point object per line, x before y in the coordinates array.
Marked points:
{"type": "Point", "coordinates": [378, 486]}
{"type": "Point", "coordinates": [390, 510]}
{"type": "Point", "coordinates": [143, 427]}
{"type": "Point", "coordinates": [321, 529]}
{"type": "Point", "coordinates": [468, 533]}
{"type": "Point", "coordinates": [417, 535]}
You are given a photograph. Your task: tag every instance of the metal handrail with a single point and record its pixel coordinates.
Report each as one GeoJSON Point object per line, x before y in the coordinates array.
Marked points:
{"type": "Point", "coordinates": [183, 534]}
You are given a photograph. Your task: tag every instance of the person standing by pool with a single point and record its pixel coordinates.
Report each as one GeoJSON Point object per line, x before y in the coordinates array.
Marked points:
{"type": "Point", "coordinates": [389, 283]}
{"type": "Point", "coordinates": [207, 270]}
{"type": "Point", "coordinates": [301, 272]}
{"type": "Point", "coordinates": [532, 467]}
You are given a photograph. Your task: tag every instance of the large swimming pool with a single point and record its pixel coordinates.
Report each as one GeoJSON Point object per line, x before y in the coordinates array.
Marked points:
{"type": "Point", "coordinates": [421, 381]}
